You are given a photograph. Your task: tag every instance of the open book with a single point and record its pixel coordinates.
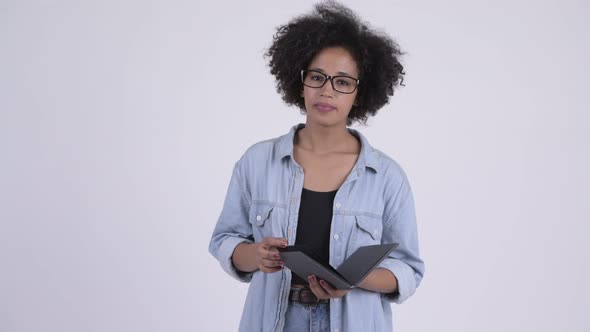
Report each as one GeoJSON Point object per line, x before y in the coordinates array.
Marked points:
{"type": "Point", "coordinates": [303, 262]}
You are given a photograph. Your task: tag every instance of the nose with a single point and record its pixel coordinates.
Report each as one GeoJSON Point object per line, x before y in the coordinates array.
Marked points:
{"type": "Point", "coordinates": [328, 89]}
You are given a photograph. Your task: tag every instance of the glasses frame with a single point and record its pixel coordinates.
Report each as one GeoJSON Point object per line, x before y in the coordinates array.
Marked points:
{"type": "Point", "coordinates": [328, 78]}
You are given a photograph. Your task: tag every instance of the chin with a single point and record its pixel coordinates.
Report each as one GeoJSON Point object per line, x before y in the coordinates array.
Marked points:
{"type": "Point", "coordinates": [325, 122]}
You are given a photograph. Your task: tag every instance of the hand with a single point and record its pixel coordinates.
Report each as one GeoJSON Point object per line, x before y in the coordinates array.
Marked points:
{"type": "Point", "coordinates": [324, 290]}
{"type": "Point", "coordinates": [267, 256]}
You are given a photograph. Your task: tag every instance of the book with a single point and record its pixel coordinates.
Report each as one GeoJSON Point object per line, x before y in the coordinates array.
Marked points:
{"type": "Point", "coordinates": [304, 262]}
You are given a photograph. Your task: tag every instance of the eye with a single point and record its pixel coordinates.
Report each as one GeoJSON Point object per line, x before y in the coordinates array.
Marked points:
{"type": "Point", "coordinates": [317, 77]}
{"type": "Point", "coordinates": [343, 82]}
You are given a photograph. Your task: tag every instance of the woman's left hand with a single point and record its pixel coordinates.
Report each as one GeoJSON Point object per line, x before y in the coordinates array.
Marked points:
{"type": "Point", "coordinates": [324, 290]}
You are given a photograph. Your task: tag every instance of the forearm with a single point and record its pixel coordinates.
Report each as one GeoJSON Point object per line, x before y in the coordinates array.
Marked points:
{"type": "Point", "coordinates": [244, 257]}
{"type": "Point", "coordinates": [380, 280]}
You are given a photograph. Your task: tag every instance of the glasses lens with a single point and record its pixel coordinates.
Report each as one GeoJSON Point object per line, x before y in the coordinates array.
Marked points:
{"type": "Point", "coordinates": [313, 79]}
{"type": "Point", "coordinates": [344, 84]}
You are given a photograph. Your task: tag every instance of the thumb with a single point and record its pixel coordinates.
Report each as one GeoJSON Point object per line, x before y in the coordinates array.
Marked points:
{"type": "Point", "coordinates": [276, 242]}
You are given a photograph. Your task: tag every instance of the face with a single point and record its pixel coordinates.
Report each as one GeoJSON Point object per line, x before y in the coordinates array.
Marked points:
{"type": "Point", "coordinates": [325, 106]}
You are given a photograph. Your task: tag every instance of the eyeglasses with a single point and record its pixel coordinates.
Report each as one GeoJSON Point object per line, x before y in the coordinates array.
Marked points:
{"type": "Point", "coordinates": [316, 79]}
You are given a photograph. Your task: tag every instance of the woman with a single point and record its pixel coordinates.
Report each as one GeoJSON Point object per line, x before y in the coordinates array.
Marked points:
{"type": "Point", "coordinates": [322, 185]}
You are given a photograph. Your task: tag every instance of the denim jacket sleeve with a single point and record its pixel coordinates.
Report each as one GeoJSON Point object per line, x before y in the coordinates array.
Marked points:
{"type": "Point", "coordinates": [232, 227]}
{"type": "Point", "coordinates": [399, 226]}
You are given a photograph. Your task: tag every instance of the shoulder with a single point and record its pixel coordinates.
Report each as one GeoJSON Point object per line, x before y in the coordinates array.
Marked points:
{"type": "Point", "coordinates": [260, 150]}
{"type": "Point", "coordinates": [383, 164]}
{"type": "Point", "coordinates": [273, 149]}
{"type": "Point", "coordinates": [262, 153]}
{"type": "Point", "coordinates": [389, 166]}
{"type": "Point", "coordinates": [396, 188]}
{"type": "Point", "coordinates": [390, 173]}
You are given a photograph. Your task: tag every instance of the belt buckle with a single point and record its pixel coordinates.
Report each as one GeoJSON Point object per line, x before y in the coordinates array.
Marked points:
{"type": "Point", "coordinates": [306, 296]}
{"type": "Point", "coordinates": [310, 296]}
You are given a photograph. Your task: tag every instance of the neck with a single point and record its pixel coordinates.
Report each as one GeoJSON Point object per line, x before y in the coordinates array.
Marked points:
{"type": "Point", "coordinates": [325, 139]}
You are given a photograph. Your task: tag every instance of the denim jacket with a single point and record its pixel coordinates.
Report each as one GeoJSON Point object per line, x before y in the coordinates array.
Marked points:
{"type": "Point", "coordinates": [374, 205]}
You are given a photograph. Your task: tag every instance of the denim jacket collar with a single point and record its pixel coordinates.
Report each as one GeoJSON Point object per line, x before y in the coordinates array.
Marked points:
{"type": "Point", "coordinates": [367, 158]}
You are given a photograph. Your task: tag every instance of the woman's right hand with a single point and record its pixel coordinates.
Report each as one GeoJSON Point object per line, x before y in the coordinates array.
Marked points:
{"type": "Point", "coordinates": [263, 256]}
{"type": "Point", "coordinates": [267, 255]}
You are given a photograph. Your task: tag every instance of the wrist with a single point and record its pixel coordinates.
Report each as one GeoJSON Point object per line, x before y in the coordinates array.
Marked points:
{"type": "Point", "coordinates": [244, 257]}
{"type": "Point", "coordinates": [380, 280]}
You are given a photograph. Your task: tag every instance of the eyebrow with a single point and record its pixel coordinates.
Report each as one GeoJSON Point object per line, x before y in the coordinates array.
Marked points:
{"type": "Point", "coordinates": [338, 73]}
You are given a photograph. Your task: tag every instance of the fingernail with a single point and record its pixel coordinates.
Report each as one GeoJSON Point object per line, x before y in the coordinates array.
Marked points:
{"type": "Point", "coordinates": [284, 244]}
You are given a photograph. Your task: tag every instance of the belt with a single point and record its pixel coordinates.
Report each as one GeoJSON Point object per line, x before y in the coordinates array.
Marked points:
{"type": "Point", "coordinates": [305, 296]}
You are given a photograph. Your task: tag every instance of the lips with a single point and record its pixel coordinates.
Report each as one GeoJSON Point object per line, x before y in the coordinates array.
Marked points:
{"type": "Point", "coordinates": [323, 107]}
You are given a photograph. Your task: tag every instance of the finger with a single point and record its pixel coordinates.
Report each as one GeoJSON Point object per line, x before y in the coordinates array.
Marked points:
{"type": "Point", "coordinates": [275, 242]}
{"type": "Point", "coordinates": [332, 291]}
{"type": "Point", "coordinates": [269, 269]}
{"type": "Point", "coordinates": [315, 287]}
{"type": "Point", "coordinates": [268, 254]}
{"type": "Point", "coordinates": [271, 263]}
{"type": "Point", "coordinates": [328, 288]}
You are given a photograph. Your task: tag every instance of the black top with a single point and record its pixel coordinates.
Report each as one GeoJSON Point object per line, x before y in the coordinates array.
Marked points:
{"type": "Point", "coordinates": [313, 225]}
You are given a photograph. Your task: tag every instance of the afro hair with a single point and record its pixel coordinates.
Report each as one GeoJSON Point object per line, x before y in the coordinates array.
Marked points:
{"type": "Point", "coordinates": [334, 25]}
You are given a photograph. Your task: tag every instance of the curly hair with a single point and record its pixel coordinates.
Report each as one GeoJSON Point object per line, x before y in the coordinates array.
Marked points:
{"type": "Point", "coordinates": [334, 25]}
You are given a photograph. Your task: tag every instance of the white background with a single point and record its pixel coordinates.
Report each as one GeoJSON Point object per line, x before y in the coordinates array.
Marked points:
{"type": "Point", "coordinates": [120, 122]}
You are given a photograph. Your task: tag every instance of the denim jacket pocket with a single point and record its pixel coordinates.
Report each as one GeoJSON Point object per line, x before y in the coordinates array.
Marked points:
{"type": "Point", "coordinates": [368, 231]}
{"type": "Point", "coordinates": [260, 214]}
{"type": "Point", "coordinates": [261, 219]}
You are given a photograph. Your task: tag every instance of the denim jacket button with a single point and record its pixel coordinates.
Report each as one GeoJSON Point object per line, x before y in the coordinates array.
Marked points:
{"type": "Point", "coordinates": [336, 237]}
{"type": "Point", "coordinates": [258, 217]}
{"type": "Point", "coordinates": [338, 205]}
